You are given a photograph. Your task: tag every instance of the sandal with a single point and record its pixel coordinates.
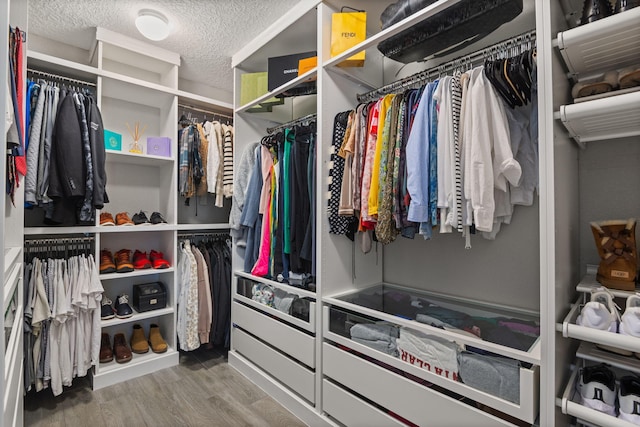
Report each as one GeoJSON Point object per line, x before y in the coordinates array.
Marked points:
{"type": "Point", "coordinates": [608, 83]}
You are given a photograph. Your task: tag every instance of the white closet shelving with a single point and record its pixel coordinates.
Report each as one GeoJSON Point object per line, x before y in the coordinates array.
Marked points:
{"type": "Point", "coordinates": [599, 185]}
{"type": "Point", "coordinates": [12, 14]}
{"type": "Point", "coordinates": [611, 43]}
{"type": "Point", "coordinates": [137, 82]}
{"type": "Point", "coordinates": [361, 377]}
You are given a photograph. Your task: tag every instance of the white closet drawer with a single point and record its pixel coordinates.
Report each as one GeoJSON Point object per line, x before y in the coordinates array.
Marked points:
{"type": "Point", "coordinates": [352, 411]}
{"type": "Point", "coordinates": [288, 339]}
{"type": "Point", "coordinates": [243, 291]}
{"type": "Point", "coordinates": [295, 376]}
{"type": "Point", "coordinates": [407, 398]}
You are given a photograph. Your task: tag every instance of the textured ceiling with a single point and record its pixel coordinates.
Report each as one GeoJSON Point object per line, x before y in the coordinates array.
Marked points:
{"type": "Point", "coordinates": [206, 33]}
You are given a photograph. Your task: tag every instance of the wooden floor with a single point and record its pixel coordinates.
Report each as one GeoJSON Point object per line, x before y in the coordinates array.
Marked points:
{"type": "Point", "coordinates": [203, 390]}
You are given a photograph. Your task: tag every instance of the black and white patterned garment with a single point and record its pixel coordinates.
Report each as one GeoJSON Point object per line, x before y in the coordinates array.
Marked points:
{"type": "Point", "coordinates": [338, 224]}
{"type": "Point", "coordinates": [456, 105]}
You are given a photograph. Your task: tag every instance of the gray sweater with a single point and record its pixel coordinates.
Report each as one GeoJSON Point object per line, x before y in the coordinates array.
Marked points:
{"type": "Point", "coordinates": [240, 184]}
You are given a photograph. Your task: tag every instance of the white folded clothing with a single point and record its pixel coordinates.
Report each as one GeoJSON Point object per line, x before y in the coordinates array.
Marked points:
{"type": "Point", "coordinates": [429, 352]}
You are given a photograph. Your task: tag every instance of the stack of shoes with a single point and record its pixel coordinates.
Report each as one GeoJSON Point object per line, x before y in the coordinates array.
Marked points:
{"type": "Point", "coordinates": [123, 261]}
{"type": "Point", "coordinates": [141, 261]}
{"type": "Point", "coordinates": [157, 218]}
{"type": "Point", "coordinates": [140, 219]}
{"type": "Point", "coordinates": [106, 262]}
{"type": "Point", "coordinates": [106, 219]}
{"type": "Point", "coordinates": [597, 389]}
{"type": "Point", "coordinates": [122, 218]}
{"type": "Point", "coordinates": [122, 308]}
{"type": "Point", "coordinates": [158, 261]}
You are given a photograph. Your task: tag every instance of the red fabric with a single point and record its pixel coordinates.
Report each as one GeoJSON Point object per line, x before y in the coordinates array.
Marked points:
{"type": "Point", "coordinates": [21, 161]}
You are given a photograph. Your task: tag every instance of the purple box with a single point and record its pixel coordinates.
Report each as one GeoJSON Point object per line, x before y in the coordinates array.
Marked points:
{"type": "Point", "coordinates": [159, 146]}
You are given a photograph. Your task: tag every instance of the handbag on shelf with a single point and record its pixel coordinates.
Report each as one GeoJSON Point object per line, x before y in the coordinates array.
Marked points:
{"type": "Point", "coordinates": [454, 28]}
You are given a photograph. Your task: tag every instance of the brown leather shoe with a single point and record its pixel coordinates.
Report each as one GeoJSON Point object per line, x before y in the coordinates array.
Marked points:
{"type": "Point", "coordinates": [158, 344]}
{"type": "Point", "coordinates": [106, 353]}
{"type": "Point", "coordinates": [139, 343]}
{"type": "Point", "coordinates": [122, 218]}
{"type": "Point", "coordinates": [106, 262]}
{"type": "Point", "coordinates": [123, 261]}
{"type": "Point", "coordinates": [121, 348]}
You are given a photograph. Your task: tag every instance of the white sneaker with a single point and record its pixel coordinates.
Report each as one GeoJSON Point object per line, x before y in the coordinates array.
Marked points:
{"type": "Point", "coordinates": [597, 389]}
{"type": "Point", "coordinates": [599, 313]}
{"type": "Point", "coordinates": [603, 314]}
{"type": "Point", "coordinates": [630, 322]}
{"type": "Point", "coordinates": [629, 399]}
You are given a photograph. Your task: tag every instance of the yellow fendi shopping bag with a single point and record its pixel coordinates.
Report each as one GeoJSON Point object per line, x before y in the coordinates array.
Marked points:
{"type": "Point", "coordinates": [347, 30]}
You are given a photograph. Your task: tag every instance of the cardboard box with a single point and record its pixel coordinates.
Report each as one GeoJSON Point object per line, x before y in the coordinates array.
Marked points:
{"type": "Point", "coordinates": [159, 146]}
{"type": "Point", "coordinates": [112, 141]}
{"type": "Point", "coordinates": [307, 64]}
{"type": "Point", "coordinates": [285, 68]}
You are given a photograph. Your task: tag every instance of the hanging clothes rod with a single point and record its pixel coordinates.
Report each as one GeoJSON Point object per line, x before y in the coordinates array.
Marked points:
{"type": "Point", "coordinates": [468, 61]}
{"type": "Point", "coordinates": [201, 110]}
{"type": "Point", "coordinates": [59, 240]}
{"type": "Point", "coordinates": [293, 122]}
{"type": "Point", "coordinates": [194, 235]}
{"type": "Point", "coordinates": [58, 77]}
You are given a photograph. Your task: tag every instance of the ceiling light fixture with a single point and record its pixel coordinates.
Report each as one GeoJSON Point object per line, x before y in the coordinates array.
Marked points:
{"type": "Point", "coordinates": [152, 24]}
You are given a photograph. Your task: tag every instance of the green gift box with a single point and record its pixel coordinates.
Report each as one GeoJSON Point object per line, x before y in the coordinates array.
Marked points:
{"type": "Point", "coordinates": [112, 141]}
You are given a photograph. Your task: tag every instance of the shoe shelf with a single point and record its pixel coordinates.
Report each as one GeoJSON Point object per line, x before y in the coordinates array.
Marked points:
{"type": "Point", "coordinates": [569, 404]}
{"type": "Point", "coordinates": [589, 351]}
{"type": "Point", "coordinates": [124, 157]}
{"type": "Point", "coordinates": [137, 273]}
{"type": "Point", "coordinates": [135, 228]}
{"type": "Point", "coordinates": [387, 33]}
{"type": "Point", "coordinates": [137, 317]}
{"type": "Point", "coordinates": [602, 119]}
{"type": "Point", "coordinates": [589, 284]}
{"type": "Point", "coordinates": [570, 329]}
{"type": "Point", "coordinates": [610, 43]}
{"type": "Point", "coordinates": [106, 374]}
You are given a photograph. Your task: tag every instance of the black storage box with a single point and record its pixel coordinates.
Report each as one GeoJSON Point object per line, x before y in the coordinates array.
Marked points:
{"type": "Point", "coordinates": [282, 69]}
{"type": "Point", "coordinates": [149, 296]}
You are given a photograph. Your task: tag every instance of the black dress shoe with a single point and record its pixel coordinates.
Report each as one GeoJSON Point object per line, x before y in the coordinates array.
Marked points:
{"type": "Point", "coordinates": [623, 5]}
{"type": "Point", "coordinates": [592, 10]}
